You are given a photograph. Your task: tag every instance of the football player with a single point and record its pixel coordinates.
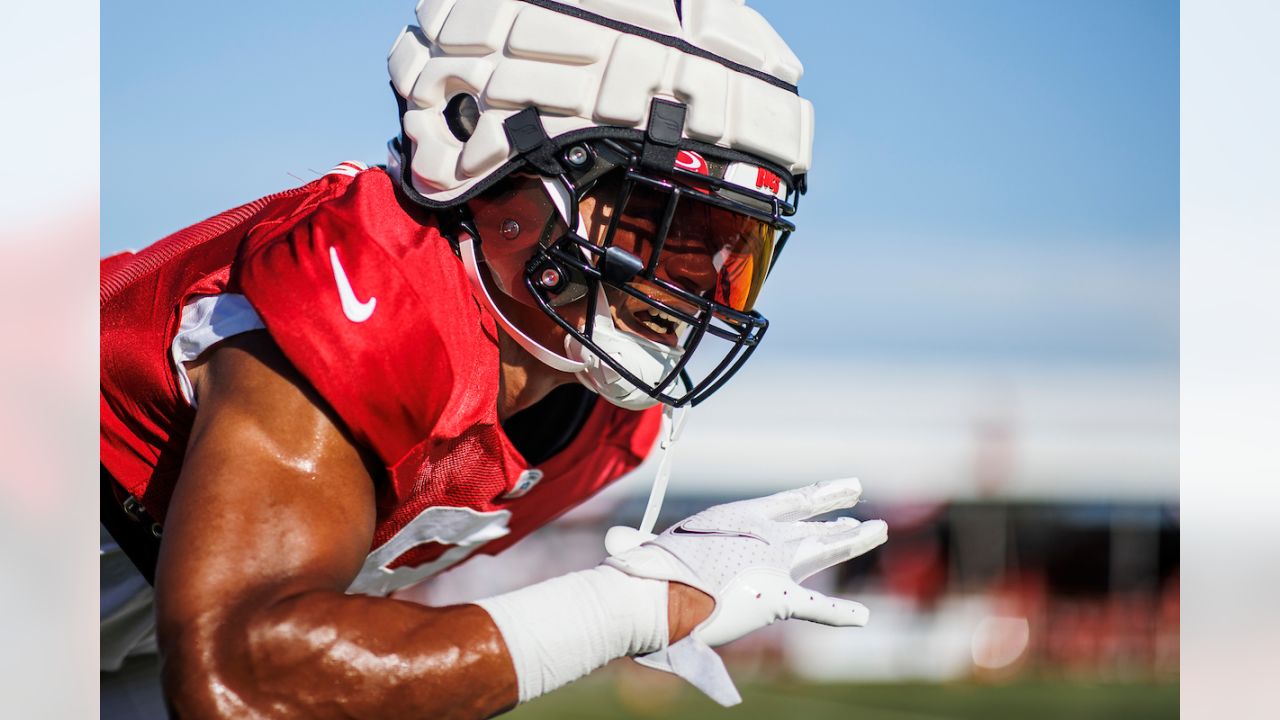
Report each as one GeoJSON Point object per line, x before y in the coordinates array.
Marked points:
{"type": "Point", "coordinates": [328, 394]}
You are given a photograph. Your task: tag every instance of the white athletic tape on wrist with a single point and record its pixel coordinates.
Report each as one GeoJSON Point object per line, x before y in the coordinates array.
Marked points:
{"type": "Point", "coordinates": [563, 628]}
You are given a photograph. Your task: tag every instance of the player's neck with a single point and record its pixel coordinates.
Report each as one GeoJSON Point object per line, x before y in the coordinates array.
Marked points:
{"type": "Point", "coordinates": [523, 379]}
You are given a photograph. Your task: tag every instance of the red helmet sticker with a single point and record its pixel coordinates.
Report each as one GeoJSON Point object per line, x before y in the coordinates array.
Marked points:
{"type": "Point", "coordinates": [754, 177]}
{"type": "Point", "coordinates": [693, 162]}
{"type": "Point", "coordinates": [766, 180]}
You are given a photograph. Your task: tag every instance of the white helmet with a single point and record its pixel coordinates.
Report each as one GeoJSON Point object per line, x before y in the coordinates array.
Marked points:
{"type": "Point", "coordinates": [687, 110]}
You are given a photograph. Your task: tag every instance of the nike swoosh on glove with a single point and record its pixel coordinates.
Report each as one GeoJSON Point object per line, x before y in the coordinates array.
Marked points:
{"type": "Point", "coordinates": [750, 556]}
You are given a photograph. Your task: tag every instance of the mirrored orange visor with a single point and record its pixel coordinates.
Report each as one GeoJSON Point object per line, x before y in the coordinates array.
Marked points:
{"type": "Point", "coordinates": [709, 251]}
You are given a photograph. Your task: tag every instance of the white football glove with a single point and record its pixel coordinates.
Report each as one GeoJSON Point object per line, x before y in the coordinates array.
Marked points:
{"type": "Point", "coordinates": [750, 556]}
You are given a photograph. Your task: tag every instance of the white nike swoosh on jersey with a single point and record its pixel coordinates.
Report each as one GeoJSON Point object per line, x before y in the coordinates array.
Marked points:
{"type": "Point", "coordinates": [356, 311]}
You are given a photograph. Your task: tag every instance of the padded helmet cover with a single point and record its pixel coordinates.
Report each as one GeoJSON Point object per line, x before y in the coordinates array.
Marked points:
{"type": "Point", "coordinates": [588, 64]}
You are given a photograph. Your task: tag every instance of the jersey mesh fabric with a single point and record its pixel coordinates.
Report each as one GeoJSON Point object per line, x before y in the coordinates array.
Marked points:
{"type": "Point", "coordinates": [477, 455]}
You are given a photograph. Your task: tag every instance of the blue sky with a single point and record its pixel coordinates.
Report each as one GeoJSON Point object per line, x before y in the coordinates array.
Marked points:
{"type": "Point", "coordinates": [995, 181]}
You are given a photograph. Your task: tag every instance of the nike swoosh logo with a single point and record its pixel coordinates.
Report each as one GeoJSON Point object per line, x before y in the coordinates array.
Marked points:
{"type": "Point", "coordinates": [682, 530]}
{"type": "Point", "coordinates": [355, 310]}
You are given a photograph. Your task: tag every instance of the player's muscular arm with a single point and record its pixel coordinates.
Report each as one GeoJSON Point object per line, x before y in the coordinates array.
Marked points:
{"type": "Point", "coordinates": [269, 524]}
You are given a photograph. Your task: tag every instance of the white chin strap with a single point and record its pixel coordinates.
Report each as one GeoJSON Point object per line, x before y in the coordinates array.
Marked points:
{"type": "Point", "coordinates": [648, 360]}
{"type": "Point", "coordinates": [621, 538]}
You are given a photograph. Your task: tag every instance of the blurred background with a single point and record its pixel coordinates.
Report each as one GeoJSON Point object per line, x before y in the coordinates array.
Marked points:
{"type": "Point", "coordinates": [978, 317]}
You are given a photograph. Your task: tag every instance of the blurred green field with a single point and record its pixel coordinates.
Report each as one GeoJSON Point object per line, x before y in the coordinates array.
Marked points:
{"type": "Point", "coordinates": [625, 696]}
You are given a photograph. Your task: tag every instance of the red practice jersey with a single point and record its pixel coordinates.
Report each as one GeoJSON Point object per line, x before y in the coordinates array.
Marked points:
{"type": "Point", "coordinates": [377, 313]}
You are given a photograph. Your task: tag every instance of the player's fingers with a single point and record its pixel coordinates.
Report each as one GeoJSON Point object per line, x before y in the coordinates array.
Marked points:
{"type": "Point", "coordinates": [815, 607]}
{"type": "Point", "coordinates": [805, 502]}
{"type": "Point", "coordinates": [830, 528]}
{"type": "Point", "coordinates": [860, 539]}
{"type": "Point", "coordinates": [841, 540]}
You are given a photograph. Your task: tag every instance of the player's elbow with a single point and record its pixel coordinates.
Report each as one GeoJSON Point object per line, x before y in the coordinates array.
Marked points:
{"type": "Point", "coordinates": [206, 673]}
{"type": "Point", "coordinates": [248, 659]}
